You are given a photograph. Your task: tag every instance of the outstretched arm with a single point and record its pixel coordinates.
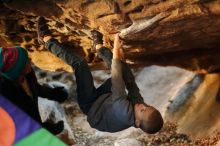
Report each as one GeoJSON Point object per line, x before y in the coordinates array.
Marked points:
{"type": "Point", "coordinates": [118, 50]}
{"type": "Point", "coordinates": [56, 94]}
{"type": "Point", "coordinates": [128, 77]}
{"type": "Point", "coordinates": [118, 84]}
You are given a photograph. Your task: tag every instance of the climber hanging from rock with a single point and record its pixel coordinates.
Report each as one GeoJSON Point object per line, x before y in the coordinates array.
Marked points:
{"type": "Point", "coordinates": [19, 84]}
{"type": "Point", "coordinates": [108, 108]}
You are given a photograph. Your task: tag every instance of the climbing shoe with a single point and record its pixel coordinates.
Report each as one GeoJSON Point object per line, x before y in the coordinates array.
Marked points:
{"type": "Point", "coordinates": [42, 29]}
{"type": "Point", "coordinates": [97, 38]}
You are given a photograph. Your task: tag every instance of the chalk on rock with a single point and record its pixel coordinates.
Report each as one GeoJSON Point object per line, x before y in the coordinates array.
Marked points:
{"type": "Point", "coordinates": [127, 142]}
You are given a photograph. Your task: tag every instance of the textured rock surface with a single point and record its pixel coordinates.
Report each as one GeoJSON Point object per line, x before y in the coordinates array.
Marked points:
{"type": "Point", "coordinates": [188, 37]}
{"type": "Point", "coordinates": [201, 111]}
{"type": "Point", "coordinates": [128, 142]}
{"type": "Point", "coordinates": [197, 119]}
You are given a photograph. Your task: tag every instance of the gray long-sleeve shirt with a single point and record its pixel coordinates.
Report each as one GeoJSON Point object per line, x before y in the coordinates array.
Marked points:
{"type": "Point", "coordinates": [113, 112]}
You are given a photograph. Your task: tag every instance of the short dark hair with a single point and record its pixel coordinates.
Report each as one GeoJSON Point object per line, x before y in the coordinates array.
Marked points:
{"type": "Point", "coordinates": [153, 121]}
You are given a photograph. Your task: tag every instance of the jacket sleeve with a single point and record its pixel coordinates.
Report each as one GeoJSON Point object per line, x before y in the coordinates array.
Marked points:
{"type": "Point", "coordinates": [45, 91]}
{"type": "Point", "coordinates": [118, 84]}
{"type": "Point", "coordinates": [36, 88]}
{"type": "Point", "coordinates": [55, 94]}
{"type": "Point", "coordinates": [133, 91]}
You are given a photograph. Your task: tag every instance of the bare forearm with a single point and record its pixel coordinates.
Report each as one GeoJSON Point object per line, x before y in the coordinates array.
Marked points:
{"type": "Point", "coordinates": [118, 85]}
{"type": "Point", "coordinates": [117, 50]}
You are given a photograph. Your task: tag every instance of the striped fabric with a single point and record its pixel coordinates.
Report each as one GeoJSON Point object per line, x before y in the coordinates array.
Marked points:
{"type": "Point", "coordinates": [9, 59]}
{"type": "Point", "coordinates": [13, 61]}
{"type": "Point", "coordinates": [18, 129]}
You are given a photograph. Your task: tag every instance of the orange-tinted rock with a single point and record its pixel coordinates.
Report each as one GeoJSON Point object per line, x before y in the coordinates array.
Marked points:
{"type": "Point", "coordinates": [188, 37]}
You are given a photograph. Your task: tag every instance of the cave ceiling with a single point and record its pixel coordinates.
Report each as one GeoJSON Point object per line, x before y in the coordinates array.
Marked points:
{"type": "Point", "coordinates": [188, 37]}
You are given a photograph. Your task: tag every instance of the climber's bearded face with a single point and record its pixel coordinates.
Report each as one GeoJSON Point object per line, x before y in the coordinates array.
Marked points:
{"type": "Point", "coordinates": [147, 118]}
{"type": "Point", "coordinates": [141, 111]}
